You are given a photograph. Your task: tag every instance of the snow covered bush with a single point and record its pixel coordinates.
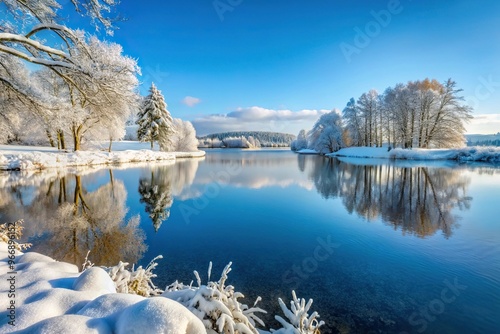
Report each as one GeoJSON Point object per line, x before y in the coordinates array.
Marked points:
{"type": "Point", "coordinates": [217, 305]}
{"type": "Point", "coordinates": [184, 138]}
{"type": "Point", "coordinates": [300, 143]}
{"type": "Point", "coordinates": [135, 281]}
{"type": "Point", "coordinates": [299, 321]}
{"type": "Point", "coordinates": [9, 232]}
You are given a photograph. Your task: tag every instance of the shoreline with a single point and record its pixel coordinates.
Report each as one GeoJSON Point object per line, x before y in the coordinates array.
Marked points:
{"type": "Point", "coordinates": [21, 158]}
{"type": "Point", "coordinates": [467, 154]}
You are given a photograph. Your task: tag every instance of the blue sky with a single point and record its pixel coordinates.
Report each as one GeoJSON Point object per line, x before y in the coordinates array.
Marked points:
{"type": "Point", "coordinates": [277, 65]}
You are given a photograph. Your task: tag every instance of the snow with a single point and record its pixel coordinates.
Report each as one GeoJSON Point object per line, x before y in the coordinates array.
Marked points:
{"type": "Point", "coordinates": [53, 297]}
{"type": "Point", "coordinates": [307, 151]}
{"type": "Point", "coordinates": [15, 157]}
{"type": "Point", "coordinates": [482, 154]}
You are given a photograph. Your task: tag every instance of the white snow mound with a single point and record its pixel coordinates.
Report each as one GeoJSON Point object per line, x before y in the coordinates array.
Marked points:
{"type": "Point", "coordinates": [53, 297]}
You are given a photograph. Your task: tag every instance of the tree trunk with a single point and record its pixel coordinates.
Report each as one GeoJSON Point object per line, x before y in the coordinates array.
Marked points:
{"type": "Point", "coordinates": [61, 144]}
{"type": "Point", "coordinates": [152, 144]}
{"type": "Point", "coordinates": [77, 138]}
{"type": "Point", "coordinates": [51, 140]}
{"type": "Point", "coordinates": [110, 143]}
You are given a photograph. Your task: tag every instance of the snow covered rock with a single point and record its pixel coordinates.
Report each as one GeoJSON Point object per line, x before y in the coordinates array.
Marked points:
{"type": "Point", "coordinates": [159, 315]}
{"type": "Point", "coordinates": [94, 278]}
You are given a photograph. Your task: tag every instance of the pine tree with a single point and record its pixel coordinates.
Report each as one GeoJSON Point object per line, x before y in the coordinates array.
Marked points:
{"type": "Point", "coordinates": [154, 120]}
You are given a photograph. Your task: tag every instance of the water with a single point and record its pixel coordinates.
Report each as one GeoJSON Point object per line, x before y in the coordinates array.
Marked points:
{"type": "Point", "coordinates": [381, 246]}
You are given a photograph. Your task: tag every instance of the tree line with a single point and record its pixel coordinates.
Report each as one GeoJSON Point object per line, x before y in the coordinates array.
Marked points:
{"type": "Point", "coordinates": [423, 114]}
{"type": "Point", "coordinates": [246, 139]}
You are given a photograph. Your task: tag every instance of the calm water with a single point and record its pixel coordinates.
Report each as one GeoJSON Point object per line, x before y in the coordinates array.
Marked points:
{"type": "Point", "coordinates": [381, 247]}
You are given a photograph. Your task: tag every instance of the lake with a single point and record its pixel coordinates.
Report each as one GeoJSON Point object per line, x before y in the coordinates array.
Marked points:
{"type": "Point", "coordinates": [381, 246]}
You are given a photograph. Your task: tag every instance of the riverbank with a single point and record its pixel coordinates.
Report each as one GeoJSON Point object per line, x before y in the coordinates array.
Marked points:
{"type": "Point", "coordinates": [18, 157]}
{"type": "Point", "coordinates": [466, 154]}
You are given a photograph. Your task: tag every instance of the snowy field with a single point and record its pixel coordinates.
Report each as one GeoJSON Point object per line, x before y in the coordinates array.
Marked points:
{"type": "Point", "coordinates": [482, 154]}
{"type": "Point", "coordinates": [16, 157]}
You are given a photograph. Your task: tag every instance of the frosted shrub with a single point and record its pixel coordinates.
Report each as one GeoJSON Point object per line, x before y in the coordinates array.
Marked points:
{"type": "Point", "coordinates": [299, 321]}
{"type": "Point", "coordinates": [135, 281]}
{"type": "Point", "coordinates": [217, 305]}
{"type": "Point", "coordinates": [10, 232]}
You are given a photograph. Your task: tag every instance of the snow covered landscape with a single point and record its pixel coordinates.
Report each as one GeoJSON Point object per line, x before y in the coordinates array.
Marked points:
{"type": "Point", "coordinates": [319, 168]}
{"type": "Point", "coordinates": [468, 154]}
{"type": "Point", "coordinates": [47, 296]}
{"type": "Point", "coordinates": [28, 157]}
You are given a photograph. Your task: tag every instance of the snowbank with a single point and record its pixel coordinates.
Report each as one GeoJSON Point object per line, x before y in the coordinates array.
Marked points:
{"type": "Point", "coordinates": [53, 297]}
{"type": "Point", "coordinates": [307, 151]}
{"type": "Point", "coordinates": [28, 158]}
{"type": "Point", "coordinates": [482, 154]}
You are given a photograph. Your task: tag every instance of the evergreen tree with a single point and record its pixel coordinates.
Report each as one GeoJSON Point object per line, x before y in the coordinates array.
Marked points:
{"type": "Point", "coordinates": [154, 120]}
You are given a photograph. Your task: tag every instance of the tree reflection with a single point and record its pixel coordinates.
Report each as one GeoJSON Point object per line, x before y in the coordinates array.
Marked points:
{"type": "Point", "coordinates": [68, 221]}
{"type": "Point", "coordinates": [158, 187]}
{"type": "Point", "coordinates": [418, 200]}
{"type": "Point", "coordinates": [156, 193]}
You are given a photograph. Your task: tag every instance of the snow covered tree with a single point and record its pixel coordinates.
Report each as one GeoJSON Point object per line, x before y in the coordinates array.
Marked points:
{"type": "Point", "coordinates": [326, 134]}
{"type": "Point", "coordinates": [352, 121]}
{"type": "Point", "coordinates": [184, 138]}
{"type": "Point", "coordinates": [368, 111]}
{"type": "Point", "coordinates": [110, 96]}
{"type": "Point", "coordinates": [24, 21]}
{"type": "Point", "coordinates": [301, 141]}
{"type": "Point", "coordinates": [422, 114]}
{"type": "Point", "coordinates": [154, 120]}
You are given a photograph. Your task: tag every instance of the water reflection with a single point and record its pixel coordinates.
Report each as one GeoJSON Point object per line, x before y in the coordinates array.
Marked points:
{"type": "Point", "coordinates": [417, 200]}
{"type": "Point", "coordinates": [69, 220]}
{"type": "Point", "coordinates": [159, 185]}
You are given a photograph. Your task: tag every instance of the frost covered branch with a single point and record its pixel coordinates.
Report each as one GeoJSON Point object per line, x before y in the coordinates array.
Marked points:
{"type": "Point", "coordinates": [299, 321]}
{"type": "Point", "coordinates": [217, 305]}
{"type": "Point", "coordinates": [135, 281]}
{"type": "Point", "coordinates": [11, 231]}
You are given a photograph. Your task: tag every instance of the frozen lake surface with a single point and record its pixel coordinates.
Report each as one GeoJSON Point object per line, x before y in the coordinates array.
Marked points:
{"type": "Point", "coordinates": [381, 246]}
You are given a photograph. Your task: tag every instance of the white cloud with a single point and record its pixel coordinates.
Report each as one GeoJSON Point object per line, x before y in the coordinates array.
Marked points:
{"type": "Point", "coordinates": [258, 119]}
{"type": "Point", "coordinates": [191, 101]}
{"type": "Point", "coordinates": [484, 124]}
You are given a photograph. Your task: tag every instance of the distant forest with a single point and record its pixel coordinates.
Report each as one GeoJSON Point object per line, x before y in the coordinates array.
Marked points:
{"type": "Point", "coordinates": [264, 139]}
{"type": "Point", "coordinates": [483, 140]}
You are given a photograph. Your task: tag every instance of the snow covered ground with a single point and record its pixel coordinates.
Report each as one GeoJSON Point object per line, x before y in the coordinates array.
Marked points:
{"type": "Point", "coordinates": [46, 296]}
{"type": "Point", "coordinates": [307, 151]}
{"type": "Point", "coordinates": [16, 157]}
{"type": "Point", "coordinates": [482, 154]}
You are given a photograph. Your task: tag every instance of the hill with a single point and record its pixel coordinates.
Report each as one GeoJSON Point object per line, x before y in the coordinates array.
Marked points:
{"type": "Point", "coordinates": [266, 139]}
